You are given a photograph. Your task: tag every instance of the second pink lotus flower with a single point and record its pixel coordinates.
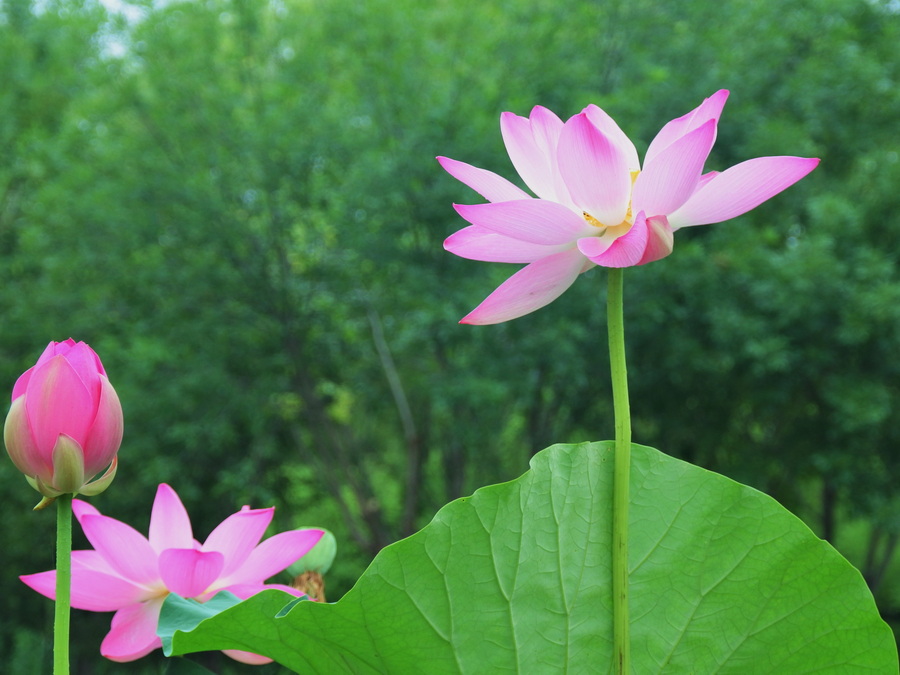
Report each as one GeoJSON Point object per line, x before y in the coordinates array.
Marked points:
{"type": "Point", "coordinates": [131, 574]}
{"type": "Point", "coordinates": [595, 204]}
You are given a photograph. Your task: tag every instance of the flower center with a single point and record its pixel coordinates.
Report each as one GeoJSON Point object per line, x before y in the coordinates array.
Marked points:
{"type": "Point", "coordinates": [629, 215]}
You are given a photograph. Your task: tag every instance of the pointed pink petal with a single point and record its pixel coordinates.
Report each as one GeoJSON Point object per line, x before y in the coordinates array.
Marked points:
{"type": "Point", "coordinates": [273, 555]}
{"type": "Point", "coordinates": [85, 362]}
{"type": "Point", "coordinates": [123, 547]}
{"type": "Point", "coordinates": [532, 287]}
{"type": "Point", "coordinates": [22, 383]}
{"type": "Point", "coordinates": [710, 109]}
{"type": "Point", "coordinates": [170, 525]}
{"type": "Point", "coordinates": [531, 144]}
{"type": "Point", "coordinates": [42, 582]}
{"type": "Point", "coordinates": [608, 127]}
{"type": "Point", "coordinates": [91, 560]}
{"type": "Point", "coordinates": [133, 632]}
{"type": "Point", "coordinates": [244, 591]}
{"type": "Point", "coordinates": [237, 535]}
{"type": "Point", "coordinates": [668, 180]}
{"type": "Point", "coordinates": [595, 170]}
{"type": "Point", "coordinates": [246, 657]}
{"type": "Point", "coordinates": [105, 435]}
{"type": "Point", "coordinates": [489, 185]}
{"type": "Point", "coordinates": [477, 243]}
{"type": "Point", "coordinates": [628, 249]}
{"type": "Point", "coordinates": [660, 241]}
{"type": "Point", "coordinates": [535, 221]}
{"type": "Point", "coordinates": [188, 572]}
{"type": "Point", "coordinates": [741, 188]}
{"type": "Point", "coordinates": [91, 590]}
{"type": "Point", "coordinates": [57, 402]}
{"type": "Point", "coordinates": [82, 508]}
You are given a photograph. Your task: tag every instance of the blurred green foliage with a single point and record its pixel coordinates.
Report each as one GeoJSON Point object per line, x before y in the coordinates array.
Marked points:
{"type": "Point", "coordinates": [236, 203]}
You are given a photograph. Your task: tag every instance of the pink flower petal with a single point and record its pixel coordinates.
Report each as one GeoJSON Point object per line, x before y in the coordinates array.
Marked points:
{"type": "Point", "coordinates": [91, 560]}
{"type": "Point", "coordinates": [273, 555]}
{"type": "Point", "coordinates": [105, 435]}
{"type": "Point", "coordinates": [710, 109]}
{"type": "Point", "coordinates": [188, 572]}
{"type": "Point", "coordinates": [57, 402]}
{"type": "Point", "coordinates": [91, 590]}
{"type": "Point", "coordinates": [85, 362]}
{"type": "Point", "coordinates": [244, 591]}
{"type": "Point", "coordinates": [21, 446]}
{"type": "Point", "coordinates": [237, 535]}
{"type": "Point", "coordinates": [531, 144]}
{"type": "Point", "coordinates": [489, 185]}
{"type": "Point", "coordinates": [22, 383]}
{"type": "Point", "coordinates": [532, 287]}
{"type": "Point", "coordinates": [123, 547]}
{"type": "Point", "coordinates": [477, 243]}
{"type": "Point", "coordinates": [595, 171]}
{"type": "Point", "coordinates": [668, 180]}
{"type": "Point", "coordinates": [741, 188]}
{"type": "Point", "coordinates": [170, 525]}
{"type": "Point", "coordinates": [608, 127]}
{"type": "Point", "coordinates": [660, 240]}
{"type": "Point", "coordinates": [82, 508]}
{"type": "Point", "coordinates": [133, 632]}
{"type": "Point", "coordinates": [535, 221]}
{"type": "Point", "coordinates": [246, 657]}
{"type": "Point", "coordinates": [628, 249]}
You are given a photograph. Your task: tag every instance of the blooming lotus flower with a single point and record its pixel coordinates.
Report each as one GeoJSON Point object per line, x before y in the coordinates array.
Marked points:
{"type": "Point", "coordinates": [65, 423]}
{"type": "Point", "coordinates": [131, 575]}
{"type": "Point", "coordinates": [595, 204]}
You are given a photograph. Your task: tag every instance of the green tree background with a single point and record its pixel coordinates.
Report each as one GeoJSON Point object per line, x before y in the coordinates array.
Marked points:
{"type": "Point", "coordinates": [236, 203]}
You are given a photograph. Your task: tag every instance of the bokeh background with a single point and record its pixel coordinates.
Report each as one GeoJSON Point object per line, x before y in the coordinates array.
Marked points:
{"type": "Point", "coordinates": [236, 203]}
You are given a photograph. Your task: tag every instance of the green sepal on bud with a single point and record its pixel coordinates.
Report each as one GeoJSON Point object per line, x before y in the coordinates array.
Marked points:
{"type": "Point", "coordinates": [66, 470]}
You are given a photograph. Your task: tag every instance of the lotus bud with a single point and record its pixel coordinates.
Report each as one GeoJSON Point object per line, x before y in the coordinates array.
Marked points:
{"type": "Point", "coordinates": [65, 424]}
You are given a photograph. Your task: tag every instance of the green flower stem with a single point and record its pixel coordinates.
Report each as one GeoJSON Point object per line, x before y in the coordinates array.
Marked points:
{"type": "Point", "coordinates": [63, 585]}
{"type": "Point", "coordinates": [621, 471]}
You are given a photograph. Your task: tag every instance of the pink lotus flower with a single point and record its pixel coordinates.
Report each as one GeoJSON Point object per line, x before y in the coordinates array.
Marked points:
{"type": "Point", "coordinates": [65, 422]}
{"type": "Point", "coordinates": [131, 575]}
{"type": "Point", "coordinates": [596, 205]}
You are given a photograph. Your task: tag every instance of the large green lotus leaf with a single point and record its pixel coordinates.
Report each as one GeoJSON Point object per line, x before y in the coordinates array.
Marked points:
{"type": "Point", "coordinates": [516, 578]}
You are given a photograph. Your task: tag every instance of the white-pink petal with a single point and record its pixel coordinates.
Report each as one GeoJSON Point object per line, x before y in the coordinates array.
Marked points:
{"type": "Point", "coordinates": [535, 221]}
{"type": "Point", "coordinates": [489, 185]}
{"type": "Point", "coordinates": [741, 188]}
{"type": "Point", "coordinates": [133, 632]}
{"type": "Point", "coordinates": [237, 535]}
{"type": "Point", "coordinates": [595, 171]}
{"type": "Point", "coordinates": [710, 109]}
{"type": "Point", "coordinates": [170, 525]}
{"type": "Point", "coordinates": [477, 243]}
{"type": "Point", "coordinates": [123, 547]}
{"type": "Point", "coordinates": [668, 180]}
{"type": "Point", "coordinates": [532, 287]}
{"type": "Point", "coordinates": [188, 572]}
{"type": "Point", "coordinates": [531, 144]}
{"type": "Point", "coordinates": [607, 125]}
